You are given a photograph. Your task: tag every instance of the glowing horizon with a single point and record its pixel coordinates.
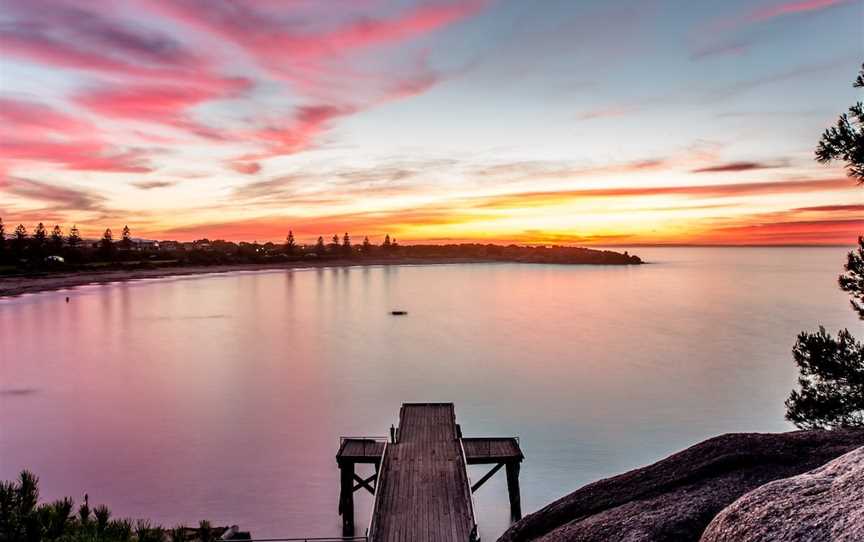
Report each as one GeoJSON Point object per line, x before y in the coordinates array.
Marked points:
{"type": "Point", "coordinates": [429, 120]}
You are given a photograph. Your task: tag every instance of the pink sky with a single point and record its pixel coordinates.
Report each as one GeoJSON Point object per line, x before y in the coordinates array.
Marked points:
{"type": "Point", "coordinates": [432, 120]}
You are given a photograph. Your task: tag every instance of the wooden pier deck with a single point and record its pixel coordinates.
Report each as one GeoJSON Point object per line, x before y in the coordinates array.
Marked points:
{"type": "Point", "coordinates": [424, 494]}
{"type": "Point", "coordinates": [421, 485]}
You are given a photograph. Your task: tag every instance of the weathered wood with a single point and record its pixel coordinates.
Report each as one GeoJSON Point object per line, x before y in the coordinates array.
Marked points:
{"type": "Point", "coordinates": [365, 483]}
{"type": "Point", "coordinates": [421, 485]}
{"type": "Point", "coordinates": [346, 497]}
{"type": "Point", "coordinates": [360, 450]}
{"type": "Point", "coordinates": [513, 490]}
{"type": "Point", "coordinates": [486, 477]}
{"type": "Point", "coordinates": [488, 450]}
{"type": "Point", "coordinates": [424, 493]}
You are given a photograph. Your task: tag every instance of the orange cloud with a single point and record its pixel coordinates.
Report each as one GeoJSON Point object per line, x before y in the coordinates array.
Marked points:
{"type": "Point", "coordinates": [309, 228]}
{"type": "Point", "coordinates": [809, 232]}
{"type": "Point", "coordinates": [528, 199]}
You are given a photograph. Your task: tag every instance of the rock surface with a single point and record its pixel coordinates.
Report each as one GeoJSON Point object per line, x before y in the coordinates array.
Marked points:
{"type": "Point", "coordinates": [823, 504]}
{"type": "Point", "coordinates": [675, 499]}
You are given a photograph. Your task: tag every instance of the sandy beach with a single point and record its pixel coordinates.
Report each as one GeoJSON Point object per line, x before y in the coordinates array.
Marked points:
{"type": "Point", "coordinates": [18, 285]}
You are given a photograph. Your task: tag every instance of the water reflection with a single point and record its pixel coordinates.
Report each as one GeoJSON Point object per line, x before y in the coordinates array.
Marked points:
{"type": "Point", "coordinates": [223, 397]}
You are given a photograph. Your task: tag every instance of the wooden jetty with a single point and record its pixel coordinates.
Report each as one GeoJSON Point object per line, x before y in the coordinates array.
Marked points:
{"type": "Point", "coordinates": [420, 482]}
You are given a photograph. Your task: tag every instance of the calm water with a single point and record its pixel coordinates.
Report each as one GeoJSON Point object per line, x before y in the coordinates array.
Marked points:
{"type": "Point", "coordinates": [223, 397]}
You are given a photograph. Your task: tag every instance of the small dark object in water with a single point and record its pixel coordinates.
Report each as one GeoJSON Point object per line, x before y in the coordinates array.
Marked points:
{"type": "Point", "coordinates": [398, 313]}
{"type": "Point", "coordinates": [67, 300]}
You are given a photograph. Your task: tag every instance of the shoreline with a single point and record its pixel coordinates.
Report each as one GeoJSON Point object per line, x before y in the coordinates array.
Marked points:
{"type": "Point", "coordinates": [13, 286]}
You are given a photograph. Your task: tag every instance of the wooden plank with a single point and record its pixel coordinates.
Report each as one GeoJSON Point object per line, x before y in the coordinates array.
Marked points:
{"type": "Point", "coordinates": [359, 450]}
{"type": "Point", "coordinates": [424, 494]}
{"type": "Point", "coordinates": [492, 450]}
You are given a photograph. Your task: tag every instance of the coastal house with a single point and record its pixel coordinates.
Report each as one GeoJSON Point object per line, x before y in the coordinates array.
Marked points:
{"type": "Point", "coordinates": [145, 244]}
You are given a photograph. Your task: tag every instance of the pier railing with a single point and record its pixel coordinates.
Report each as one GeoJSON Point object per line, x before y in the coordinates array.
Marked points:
{"type": "Point", "coordinates": [372, 525]}
{"type": "Point", "coordinates": [473, 505]}
{"type": "Point", "coordinates": [376, 438]}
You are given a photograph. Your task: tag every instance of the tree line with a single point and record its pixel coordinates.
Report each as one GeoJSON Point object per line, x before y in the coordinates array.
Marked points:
{"type": "Point", "coordinates": [24, 518]}
{"type": "Point", "coordinates": [40, 248]}
{"type": "Point", "coordinates": [830, 391]}
{"type": "Point", "coordinates": [335, 247]}
{"type": "Point", "coordinates": [25, 252]}
{"type": "Point", "coordinates": [21, 245]}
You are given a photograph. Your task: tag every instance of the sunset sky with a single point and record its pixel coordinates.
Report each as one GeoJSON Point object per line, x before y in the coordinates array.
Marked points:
{"type": "Point", "coordinates": [578, 122]}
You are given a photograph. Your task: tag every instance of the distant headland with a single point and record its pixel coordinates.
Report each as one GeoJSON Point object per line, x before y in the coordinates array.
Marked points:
{"type": "Point", "coordinates": [42, 261]}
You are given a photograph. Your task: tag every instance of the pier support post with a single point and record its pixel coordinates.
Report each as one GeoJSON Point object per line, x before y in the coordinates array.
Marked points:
{"type": "Point", "coordinates": [346, 497]}
{"type": "Point", "coordinates": [513, 490]}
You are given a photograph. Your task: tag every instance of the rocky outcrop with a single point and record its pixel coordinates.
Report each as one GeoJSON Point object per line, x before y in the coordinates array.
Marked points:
{"type": "Point", "coordinates": [823, 504]}
{"type": "Point", "coordinates": [675, 499]}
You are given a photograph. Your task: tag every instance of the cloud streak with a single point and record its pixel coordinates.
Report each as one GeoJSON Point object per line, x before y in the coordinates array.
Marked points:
{"type": "Point", "coordinates": [528, 199]}
{"type": "Point", "coordinates": [793, 8]}
{"type": "Point", "coordinates": [37, 133]}
{"type": "Point", "coordinates": [735, 167]}
{"type": "Point", "coordinates": [58, 197]}
{"type": "Point", "coordinates": [313, 60]}
{"type": "Point", "coordinates": [162, 104]}
{"type": "Point", "coordinates": [150, 185]}
{"type": "Point", "coordinates": [72, 35]}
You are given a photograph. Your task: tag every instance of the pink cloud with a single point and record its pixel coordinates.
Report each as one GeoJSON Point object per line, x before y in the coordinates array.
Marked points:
{"type": "Point", "coordinates": [72, 35]}
{"type": "Point", "coordinates": [167, 105]}
{"type": "Point", "coordinates": [76, 155]}
{"type": "Point", "coordinates": [312, 59]}
{"type": "Point", "coordinates": [30, 131]}
{"type": "Point", "coordinates": [28, 119]}
{"type": "Point", "coordinates": [608, 112]}
{"type": "Point", "coordinates": [416, 21]}
{"type": "Point", "coordinates": [707, 34]}
{"type": "Point", "coordinates": [274, 40]}
{"type": "Point", "coordinates": [247, 168]}
{"type": "Point", "coordinates": [791, 8]}
{"type": "Point", "coordinates": [308, 123]}
{"type": "Point", "coordinates": [161, 78]}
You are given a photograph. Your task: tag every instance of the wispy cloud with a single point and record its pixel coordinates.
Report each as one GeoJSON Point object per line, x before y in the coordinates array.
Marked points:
{"type": "Point", "coordinates": [76, 156]}
{"type": "Point", "coordinates": [721, 37]}
{"type": "Point", "coordinates": [730, 48]}
{"type": "Point", "coordinates": [74, 35]}
{"type": "Point", "coordinates": [245, 167]}
{"type": "Point", "coordinates": [162, 104]}
{"type": "Point", "coordinates": [313, 59]}
{"type": "Point", "coordinates": [830, 208]}
{"type": "Point", "coordinates": [29, 119]}
{"type": "Point", "coordinates": [556, 197]}
{"type": "Point", "coordinates": [610, 112]}
{"type": "Point", "coordinates": [747, 85]}
{"type": "Point", "coordinates": [279, 44]}
{"type": "Point", "coordinates": [34, 132]}
{"type": "Point", "coordinates": [735, 167]}
{"type": "Point", "coordinates": [160, 79]}
{"type": "Point", "coordinates": [828, 231]}
{"type": "Point", "coordinates": [57, 197]}
{"type": "Point", "coordinates": [792, 8]}
{"type": "Point", "coordinates": [150, 185]}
